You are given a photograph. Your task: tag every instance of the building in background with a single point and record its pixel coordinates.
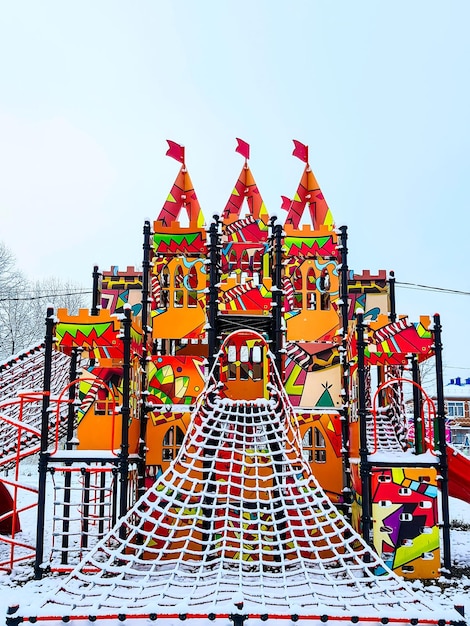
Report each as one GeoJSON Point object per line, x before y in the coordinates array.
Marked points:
{"type": "Point", "coordinates": [457, 404]}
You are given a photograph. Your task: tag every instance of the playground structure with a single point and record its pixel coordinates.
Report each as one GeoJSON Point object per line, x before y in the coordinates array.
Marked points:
{"type": "Point", "coordinates": [231, 439]}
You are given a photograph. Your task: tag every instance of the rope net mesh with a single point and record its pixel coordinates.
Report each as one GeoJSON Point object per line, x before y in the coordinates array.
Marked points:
{"type": "Point", "coordinates": [238, 516]}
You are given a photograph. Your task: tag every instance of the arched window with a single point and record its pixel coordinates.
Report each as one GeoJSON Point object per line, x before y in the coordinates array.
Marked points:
{"type": "Point", "coordinates": [313, 445]}
{"type": "Point", "coordinates": [192, 284]}
{"type": "Point", "coordinates": [311, 289]}
{"type": "Point", "coordinates": [325, 284]}
{"type": "Point", "coordinates": [232, 260]}
{"type": "Point", "coordinates": [257, 266]}
{"type": "Point", "coordinates": [297, 283]}
{"type": "Point", "coordinates": [232, 365]}
{"type": "Point", "coordinates": [165, 285]}
{"type": "Point", "coordinates": [320, 446]}
{"type": "Point", "coordinates": [257, 360]}
{"type": "Point", "coordinates": [178, 287]}
{"type": "Point", "coordinates": [103, 404]}
{"type": "Point", "coordinates": [172, 443]}
{"type": "Point", "coordinates": [307, 444]}
{"type": "Point", "coordinates": [244, 363]}
{"type": "Point", "coordinates": [257, 261]}
{"type": "Point", "coordinates": [245, 261]}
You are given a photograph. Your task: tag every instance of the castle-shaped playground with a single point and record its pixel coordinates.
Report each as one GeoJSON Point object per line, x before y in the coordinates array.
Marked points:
{"type": "Point", "coordinates": [234, 432]}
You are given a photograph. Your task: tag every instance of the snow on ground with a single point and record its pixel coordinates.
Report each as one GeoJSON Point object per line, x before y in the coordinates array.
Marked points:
{"type": "Point", "coordinates": [15, 587]}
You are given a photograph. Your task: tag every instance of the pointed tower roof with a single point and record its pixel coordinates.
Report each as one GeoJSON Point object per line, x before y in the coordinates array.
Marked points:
{"type": "Point", "coordinates": [308, 194]}
{"type": "Point", "coordinates": [170, 236]}
{"type": "Point", "coordinates": [247, 190]}
{"type": "Point", "coordinates": [237, 526]}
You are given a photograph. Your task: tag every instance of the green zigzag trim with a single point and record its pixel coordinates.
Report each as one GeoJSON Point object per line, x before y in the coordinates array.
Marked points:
{"type": "Point", "coordinates": [164, 238]}
{"type": "Point", "coordinates": [85, 329]}
{"type": "Point", "coordinates": [309, 242]}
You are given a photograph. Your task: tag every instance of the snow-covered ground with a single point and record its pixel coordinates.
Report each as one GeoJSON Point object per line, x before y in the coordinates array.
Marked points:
{"type": "Point", "coordinates": [18, 586]}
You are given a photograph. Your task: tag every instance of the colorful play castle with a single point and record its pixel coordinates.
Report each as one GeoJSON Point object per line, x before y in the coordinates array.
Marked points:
{"type": "Point", "coordinates": [254, 404]}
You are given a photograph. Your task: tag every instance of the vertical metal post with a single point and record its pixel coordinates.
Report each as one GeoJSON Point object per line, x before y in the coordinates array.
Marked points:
{"type": "Point", "coordinates": [362, 412]}
{"type": "Point", "coordinates": [393, 310]}
{"type": "Point", "coordinates": [69, 446]}
{"type": "Point", "coordinates": [380, 380]}
{"type": "Point", "coordinates": [147, 336]}
{"type": "Point", "coordinates": [344, 309]}
{"type": "Point", "coordinates": [96, 295]}
{"type": "Point", "coordinates": [441, 445]}
{"type": "Point", "coordinates": [125, 415]}
{"type": "Point", "coordinates": [102, 501]}
{"type": "Point", "coordinates": [277, 297]}
{"type": "Point", "coordinates": [86, 508]}
{"type": "Point", "coordinates": [277, 455]}
{"type": "Point", "coordinates": [213, 290]}
{"type": "Point", "coordinates": [43, 454]}
{"type": "Point", "coordinates": [212, 312]}
{"type": "Point", "coordinates": [417, 406]}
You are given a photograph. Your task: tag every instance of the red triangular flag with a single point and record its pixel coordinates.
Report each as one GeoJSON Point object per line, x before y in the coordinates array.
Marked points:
{"type": "Point", "coordinates": [286, 203]}
{"type": "Point", "coordinates": [175, 151]}
{"type": "Point", "coordinates": [300, 151]}
{"type": "Point", "coordinates": [243, 148]}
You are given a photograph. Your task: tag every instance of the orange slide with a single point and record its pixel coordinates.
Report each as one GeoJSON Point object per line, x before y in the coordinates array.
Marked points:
{"type": "Point", "coordinates": [459, 474]}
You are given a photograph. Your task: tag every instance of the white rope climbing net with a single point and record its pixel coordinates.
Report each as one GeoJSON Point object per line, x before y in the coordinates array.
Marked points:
{"type": "Point", "coordinates": [237, 523]}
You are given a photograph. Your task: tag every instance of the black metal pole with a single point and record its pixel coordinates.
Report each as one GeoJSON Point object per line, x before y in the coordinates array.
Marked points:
{"type": "Point", "coordinates": [362, 412]}
{"type": "Point", "coordinates": [214, 279]}
{"type": "Point", "coordinates": [343, 350]}
{"type": "Point", "coordinates": [391, 284]}
{"type": "Point", "coordinates": [69, 446]}
{"type": "Point", "coordinates": [146, 338]}
{"type": "Point", "coordinates": [72, 391]}
{"type": "Point", "coordinates": [277, 296]}
{"type": "Point", "coordinates": [96, 295]}
{"type": "Point", "coordinates": [102, 502]}
{"type": "Point", "coordinates": [441, 445]}
{"type": "Point", "coordinates": [43, 454]}
{"type": "Point", "coordinates": [125, 415]}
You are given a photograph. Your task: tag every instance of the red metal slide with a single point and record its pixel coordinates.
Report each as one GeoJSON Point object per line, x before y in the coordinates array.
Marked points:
{"type": "Point", "coordinates": [459, 474]}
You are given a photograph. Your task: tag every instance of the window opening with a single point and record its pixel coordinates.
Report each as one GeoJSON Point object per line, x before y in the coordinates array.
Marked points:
{"type": "Point", "coordinates": [297, 284]}
{"type": "Point", "coordinates": [307, 445]}
{"type": "Point", "coordinates": [325, 284]}
{"type": "Point", "coordinates": [257, 266]}
{"type": "Point", "coordinates": [178, 297]}
{"type": "Point", "coordinates": [256, 359]}
{"type": "Point", "coordinates": [192, 284]}
{"type": "Point", "coordinates": [165, 285]}
{"type": "Point", "coordinates": [171, 443]}
{"type": "Point", "coordinates": [245, 261]}
{"type": "Point", "coordinates": [232, 367]}
{"type": "Point", "coordinates": [244, 363]}
{"type": "Point", "coordinates": [320, 446]}
{"type": "Point", "coordinates": [311, 289]}
{"type": "Point", "coordinates": [232, 260]}
{"type": "Point", "coordinates": [455, 409]}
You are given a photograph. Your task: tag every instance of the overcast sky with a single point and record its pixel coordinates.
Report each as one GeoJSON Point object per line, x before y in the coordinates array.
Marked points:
{"type": "Point", "coordinates": [379, 91]}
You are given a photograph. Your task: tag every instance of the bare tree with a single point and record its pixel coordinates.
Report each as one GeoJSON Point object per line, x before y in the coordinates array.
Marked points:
{"type": "Point", "coordinates": [23, 305]}
{"type": "Point", "coordinates": [12, 309]}
{"type": "Point", "coordinates": [58, 294]}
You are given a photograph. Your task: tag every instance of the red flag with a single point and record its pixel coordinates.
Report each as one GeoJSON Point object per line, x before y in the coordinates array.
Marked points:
{"type": "Point", "coordinates": [243, 148]}
{"type": "Point", "coordinates": [300, 151]}
{"type": "Point", "coordinates": [175, 151]}
{"type": "Point", "coordinates": [286, 203]}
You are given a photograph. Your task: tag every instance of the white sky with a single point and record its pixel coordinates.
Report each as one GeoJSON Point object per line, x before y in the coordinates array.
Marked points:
{"type": "Point", "coordinates": [378, 90]}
